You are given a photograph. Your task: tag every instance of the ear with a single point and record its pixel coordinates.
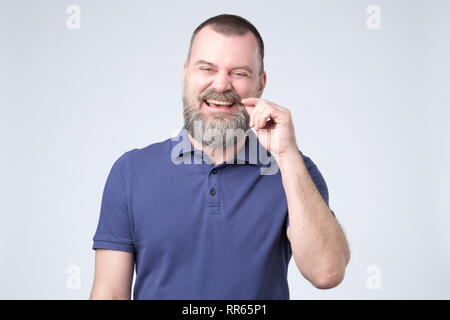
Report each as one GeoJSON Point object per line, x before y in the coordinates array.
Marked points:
{"type": "Point", "coordinates": [183, 74]}
{"type": "Point", "coordinates": [262, 84]}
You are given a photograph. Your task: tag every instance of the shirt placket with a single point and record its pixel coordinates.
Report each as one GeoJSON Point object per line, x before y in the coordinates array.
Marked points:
{"type": "Point", "coordinates": [213, 191]}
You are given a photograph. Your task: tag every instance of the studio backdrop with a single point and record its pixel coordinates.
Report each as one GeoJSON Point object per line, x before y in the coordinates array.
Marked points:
{"type": "Point", "coordinates": [367, 83]}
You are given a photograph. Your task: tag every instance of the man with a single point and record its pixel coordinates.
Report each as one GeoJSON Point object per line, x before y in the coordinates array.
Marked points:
{"type": "Point", "coordinates": [197, 215]}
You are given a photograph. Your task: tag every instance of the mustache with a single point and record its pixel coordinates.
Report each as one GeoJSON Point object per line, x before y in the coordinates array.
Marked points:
{"type": "Point", "coordinates": [228, 95]}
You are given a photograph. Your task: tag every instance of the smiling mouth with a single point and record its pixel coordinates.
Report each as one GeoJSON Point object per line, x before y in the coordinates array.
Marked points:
{"type": "Point", "coordinates": [219, 103]}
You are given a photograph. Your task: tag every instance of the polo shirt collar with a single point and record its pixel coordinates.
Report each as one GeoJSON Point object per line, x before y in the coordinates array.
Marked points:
{"type": "Point", "coordinates": [242, 157]}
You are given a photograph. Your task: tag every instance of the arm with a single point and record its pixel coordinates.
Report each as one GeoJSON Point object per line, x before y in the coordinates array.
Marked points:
{"type": "Point", "coordinates": [113, 275]}
{"type": "Point", "coordinates": [319, 246]}
{"type": "Point", "coordinates": [318, 243]}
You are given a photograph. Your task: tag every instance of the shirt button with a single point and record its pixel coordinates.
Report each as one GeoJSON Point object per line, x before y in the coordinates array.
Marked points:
{"type": "Point", "coordinates": [214, 171]}
{"type": "Point", "coordinates": [212, 191]}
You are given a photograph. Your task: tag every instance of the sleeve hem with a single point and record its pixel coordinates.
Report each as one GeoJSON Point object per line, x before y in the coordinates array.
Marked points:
{"type": "Point", "coordinates": [103, 244]}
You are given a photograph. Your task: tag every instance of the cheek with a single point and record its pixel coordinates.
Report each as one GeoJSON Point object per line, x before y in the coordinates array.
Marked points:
{"type": "Point", "coordinates": [195, 83]}
{"type": "Point", "coordinates": [244, 88]}
{"type": "Point", "coordinates": [199, 84]}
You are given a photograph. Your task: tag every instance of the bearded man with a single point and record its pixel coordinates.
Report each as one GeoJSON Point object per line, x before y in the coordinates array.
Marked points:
{"type": "Point", "coordinates": [199, 216]}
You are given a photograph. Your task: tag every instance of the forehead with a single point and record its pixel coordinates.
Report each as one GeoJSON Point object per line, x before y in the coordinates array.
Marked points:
{"type": "Point", "coordinates": [224, 50]}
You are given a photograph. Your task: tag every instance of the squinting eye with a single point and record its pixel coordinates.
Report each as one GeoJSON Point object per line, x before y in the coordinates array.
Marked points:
{"type": "Point", "coordinates": [241, 74]}
{"type": "Point", "coordinates": [205, 69]}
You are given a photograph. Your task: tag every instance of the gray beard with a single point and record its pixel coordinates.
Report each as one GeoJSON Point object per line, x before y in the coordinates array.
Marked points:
{"type": "Point", "coordinates": [217, 129]}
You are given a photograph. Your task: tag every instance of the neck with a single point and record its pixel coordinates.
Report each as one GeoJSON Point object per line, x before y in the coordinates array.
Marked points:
{"type": "Point", "coordinates": [220, 154]}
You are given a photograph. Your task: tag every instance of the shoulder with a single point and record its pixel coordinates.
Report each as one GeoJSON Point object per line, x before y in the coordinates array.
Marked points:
{"type": "Point", "coordinates": [315, 173]}
{"type": "Point", "coordinates": [146, 156]}
{"type": "Point", "coordinates": [309, 164]}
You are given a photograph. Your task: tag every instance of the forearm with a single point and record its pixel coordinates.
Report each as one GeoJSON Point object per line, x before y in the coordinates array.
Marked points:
{"type": "Point", "coordinates": [319, 246]}
{"type": "Point", "coordinates": [104, 294]}
{"type": "Point", "coordinates": [113, 275]}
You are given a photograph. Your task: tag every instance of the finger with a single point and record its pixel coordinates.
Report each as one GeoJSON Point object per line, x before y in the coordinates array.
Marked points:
{"type": "Point", "coordinates": [256, 116]}
{"type": "Point", "coordinates": [264, 116]}
{"type": "Point", "coordinates": [250, 110]}
{"type": "Point", "coordinates": [250, 101]}
{"type": "Point", "coordinates": [252, 115]}
{"type": "Point", "coordinates": [259, 119]}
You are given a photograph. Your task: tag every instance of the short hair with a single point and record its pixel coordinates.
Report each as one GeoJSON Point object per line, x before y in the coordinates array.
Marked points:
{"type": "Point", "coordinates": [229, 25]}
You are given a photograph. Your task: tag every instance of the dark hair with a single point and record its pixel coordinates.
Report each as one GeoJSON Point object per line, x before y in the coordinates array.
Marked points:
{"type": "Point", "coordinates": [229, 25]}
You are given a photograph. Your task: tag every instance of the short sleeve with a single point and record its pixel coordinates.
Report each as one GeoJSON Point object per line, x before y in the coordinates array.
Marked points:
{"type": "Point", "coordinates": [114, 230]}
{"type": "Point", "coordinates": [318, 180]}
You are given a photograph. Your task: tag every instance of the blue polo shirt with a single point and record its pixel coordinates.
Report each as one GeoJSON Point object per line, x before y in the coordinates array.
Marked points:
{"type": "Point", "coordinates": [200, 231]}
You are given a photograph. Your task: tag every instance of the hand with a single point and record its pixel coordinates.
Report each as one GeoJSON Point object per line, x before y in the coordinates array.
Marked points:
{"type": "Point", "coordinates": [278, 135]}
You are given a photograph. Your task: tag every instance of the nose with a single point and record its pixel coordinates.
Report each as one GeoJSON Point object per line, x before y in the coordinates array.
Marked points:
{"type": "Point", "coordinates": [221, 82]}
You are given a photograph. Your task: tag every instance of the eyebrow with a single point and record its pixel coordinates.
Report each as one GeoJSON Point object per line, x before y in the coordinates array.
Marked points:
{"type": "Point", "coordinates": [246, 68]}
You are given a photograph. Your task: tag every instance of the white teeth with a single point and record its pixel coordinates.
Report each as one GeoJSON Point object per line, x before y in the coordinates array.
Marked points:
{"type": "Point", "coordinates": [221, 103]}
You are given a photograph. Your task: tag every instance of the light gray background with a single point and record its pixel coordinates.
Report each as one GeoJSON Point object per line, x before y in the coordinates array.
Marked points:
{"type": "Point", "coordinates": [371, 108]}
